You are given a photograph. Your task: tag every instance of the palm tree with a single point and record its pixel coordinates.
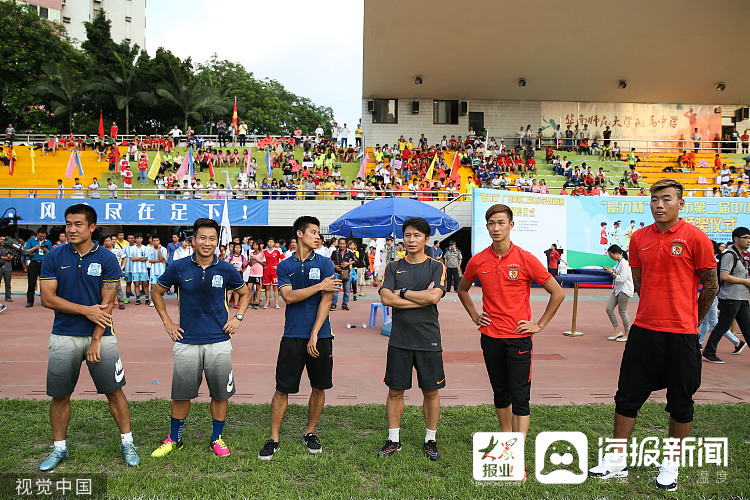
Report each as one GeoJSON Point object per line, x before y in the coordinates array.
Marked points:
{"type": "Point", "coordinates": [62, 87]}
{"type": "Point", "coordinates": [121, 88]}
{"type": "Point", "coordinates": [194, 98]}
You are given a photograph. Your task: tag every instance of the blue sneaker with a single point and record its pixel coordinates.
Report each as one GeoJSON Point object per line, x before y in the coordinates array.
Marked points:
{"type": "Point", "coordinates": [55, 457]}
{"type": "Point", "coordinates": [2, 308]}
{"type": "Point", "coordinates": [131, 455]}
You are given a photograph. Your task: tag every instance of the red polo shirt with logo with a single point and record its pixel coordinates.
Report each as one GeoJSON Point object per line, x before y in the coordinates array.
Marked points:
{"type": "Point", "coordinates": [506, 283]}
{"type": "Point", "coordinates": [669, 264]}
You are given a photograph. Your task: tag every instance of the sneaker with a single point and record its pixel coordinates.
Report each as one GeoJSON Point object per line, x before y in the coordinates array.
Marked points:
{"type": "Point", "coordinates": [219, 447]}
{"type": "Point", "coordinates": [55, 457]}
{"type": "Point", "coordinates": [126, 301]}
{"type": "Point", "coordinates": [278, 306]}
{"type": "Point", "coordinates": [167, 447]}
{"type": "Point", "coordinates": [266, 306]}
{"type": "Point", "coordinates": [137, 302]}
{"type": "Point", "coordinates": [667, 478]}
{"type": "Point", "coordinates": [148, 302]}
{"type": "Point", "coordinates": [236, 306]}
{"type": "Point", "coordinates": [131, 455]}
{"type": "Point", "coordinates": [712, 358]}
{"type": "Point", "coordinates": [151, 304]}
{"type": "Point", "coordinates": [121, 306]}
{"type": "Point", "coordinates": [345, 308]}
{"type": "Point", "coordinates": [389, 448]}
{"type": "Point", "coordinates": [622, 339]}
{"type": "Point", "coordinates": [333, 307]}
{"type": "Point", "coordinates": [612, 465]}
{"type": "Point", "coordinates": [312, 443]}
{"type": "Point", "coordinates": [268, 450]}
{"type": "Point", "coordinates": [615, 337]}
{"type": "Point", "coordinates": [740, 347]}
{"type": "Point", "coordinates": [430, 448]}
{"type": "Point", "coordinates": [3, 308]}
{"type": "Point", "coordinates": [8, 299]}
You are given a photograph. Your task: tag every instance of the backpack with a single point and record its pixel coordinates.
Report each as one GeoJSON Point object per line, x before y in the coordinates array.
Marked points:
{"type": "Point", "coordinates": [735, 258]}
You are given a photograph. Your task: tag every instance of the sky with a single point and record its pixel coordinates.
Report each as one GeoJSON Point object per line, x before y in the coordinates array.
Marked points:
{"type": "Point", "coordinates": [314, 49]}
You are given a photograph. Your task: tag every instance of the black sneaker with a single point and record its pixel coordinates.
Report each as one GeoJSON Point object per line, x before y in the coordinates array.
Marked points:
{"type": "Point", "coordinates": [740, 347]}
{"type": "Point", "coordinates": [712, 358]}
{"type": "Point", "coordinates": [121, 306]}
{"type": "Point", "coordinates": [137, 302]}
{"type": "Point", "coordinates": [312, 442]}
{"type": "Point", "coordinates": [333, 307]}
{"type": "Point", "coordinates": [345, 308]}
{"type": "Point", "coordinates": [268, 450]}
{"type": "Point", "coordinates": [430, 448]}
{"type": "Point", "coordinates": [148, 302]}
{"type": "Point", "coordinates": [389, 448]}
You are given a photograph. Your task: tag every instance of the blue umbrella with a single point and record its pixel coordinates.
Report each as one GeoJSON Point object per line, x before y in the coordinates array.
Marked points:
{"type": "Point", "coordinates": [746, 158]}
{"type": "Point", "coordinates": [384, 217]}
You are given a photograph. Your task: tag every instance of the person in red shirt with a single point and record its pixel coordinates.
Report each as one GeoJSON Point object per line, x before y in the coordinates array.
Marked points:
{"type": "Point", "coordinates": [506, 272]}
{"type": "Point", "coordinates": [603, 238]}
{"type": "Point", "coordinates": [127, 181]}
{"type": "Point", "coordinates": [270, 280]}
{"type": "Point", "coordinates": [555, 257]}
{"type": "Point", "coordinates": [142, 167]}
{"type": "Point", "coordinates": [668, 260]}
{"type": "Point", "coordinates": [113, 131]}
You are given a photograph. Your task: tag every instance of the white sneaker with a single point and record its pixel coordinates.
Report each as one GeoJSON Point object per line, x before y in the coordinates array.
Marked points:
{"type": "Point", "coordinates": [667, 478]}
{"type": "Point", "coordinates": [151, 303]}
{"type": "Point", "coordinates": [612, 465]}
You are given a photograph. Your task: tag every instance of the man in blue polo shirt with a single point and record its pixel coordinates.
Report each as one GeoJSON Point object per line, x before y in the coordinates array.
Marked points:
{"type": "Point", "coordinates": [79, 282]}
{"type": "Point", "coordinates": [203, 334]}
{"type": "Point", "coordinates": [306, 283]}
{"type": "Point", "coordinates": [37, 247]}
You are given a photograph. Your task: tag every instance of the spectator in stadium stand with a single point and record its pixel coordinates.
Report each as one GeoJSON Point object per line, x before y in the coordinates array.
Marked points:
{"type": "Point", "coordinates": [113, 131]}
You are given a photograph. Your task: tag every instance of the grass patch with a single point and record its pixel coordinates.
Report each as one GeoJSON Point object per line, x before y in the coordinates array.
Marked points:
{"type": "Point", "coordinates": [348, 467]}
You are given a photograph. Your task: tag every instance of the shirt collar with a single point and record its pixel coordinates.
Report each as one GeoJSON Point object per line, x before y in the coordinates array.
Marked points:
{"type": "Point", "coordinates": [498, 257]}
{"type": "Point", "coordinates": [215, 261]}
{"type": "Point", "coordinates": [311, 257]}
{"type": "Point", "coordinates": [672, 229]}
{"type": "Point", "coordinates": [93, 249]}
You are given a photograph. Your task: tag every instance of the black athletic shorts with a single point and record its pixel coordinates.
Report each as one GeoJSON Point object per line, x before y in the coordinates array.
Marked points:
{"type": "Point", "coordinates": [257, 280]}
{"type": "Point", "coordinates": [399, 364]}
{"type": "Point", "coordinates": [659, 360]}
{"type": "Point", "coordinates": [293, 358]}
{"type": "Point", "coordinates": [508, 363]}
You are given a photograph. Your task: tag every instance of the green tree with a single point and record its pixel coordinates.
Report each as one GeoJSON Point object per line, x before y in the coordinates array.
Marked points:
{"type": "Point", "coordinates": [194, 98]}
{"type": "Point", "coordinates": [122, 88]}
{"type": "Point", "coordinates": [26, 44]}
{"type": "Point", "coordinates": [63, 87]}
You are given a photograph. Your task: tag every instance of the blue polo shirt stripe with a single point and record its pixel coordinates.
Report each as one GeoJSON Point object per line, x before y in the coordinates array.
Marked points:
{"type": "Point", "coordinates": [202, 297]}
{"type": "Point", "coordinates": [300, 317]}
{"type": "Point", "coordinates": [79, 280]}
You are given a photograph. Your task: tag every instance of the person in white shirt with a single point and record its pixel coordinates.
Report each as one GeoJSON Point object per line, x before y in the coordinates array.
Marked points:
{"type": "Point", "coordinates": [740, 190]}
{"type": "Point", "coordinates": [133, 152]}
{"type": "Point", "coordinates": [77, 189]}
{"type": "Point", "coordinates": [520, 134]}
{"type": "Point", "coordinates": [185, 250]}
{"type": "Point", "coordinates": [94, 188]}
{"type": "Point", "coordinates": [175, 133]}
{"type": "Point", "coordinates": [160, 184]}
{"type": "Point", "coordinates": [211, 187]}
{"type": "Point", "coordinates": [603, 191]}
{"type": "Point", "coordinates": [726, 189]}
{"type": "Point", "coordinates": [187, 190]}
{"type": "Point", "coordinates": [521, 182]}
{"type": "Point", "coordinates": [112, 188]}
{"type": "Point", "coordinates": [725, 174]}
{"type": "Point", "coordinates": [198, 189]}
{"type": "Point", "coordinates": [60, 189]}
{"type": "Point", "coordinates": [344, 136]}
{"type": "Point", "coordinates": [319, 132]}
{"type": "Point", "coordinates": [585, 133]}
{"type": "Point", "coordinates": [238, 191]}
{"type": "Point", "coordinates": [622, 290]}
{"type": "Point", "coordinates": [558, 137]}
{"type": "Point", "coordinates": [496, 181]}
{"type": "Point", "coordinates": [292, 248]}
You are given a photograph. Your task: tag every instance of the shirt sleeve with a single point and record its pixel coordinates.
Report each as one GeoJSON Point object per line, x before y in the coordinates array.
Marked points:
{"type": "Point", "coordinates": [49, 265]}
{"type": "Point", "coordinates": [438, 275]}
{"type": "Point", "coordinates": [169, 277]}
{"type": "Point", "coordinates": [471, 270]}
{"type": "Point", "coordinates": [727, 262]}
{"type": "Point", "coordinates": [537, 271]}
{"type": "Point", "coordinates": [634, 258]}
{"type": "Point", "coordinates": [282, 273]}
{"type": "Point", "coordinates": [234, 279]}
{"type": "Point", "coordinates": [388, 279]}
{"type": "Point", "coordinates": [703, 253]}
{"type": "Point", "coordinates": [111, 271]}
{"type": "Point", "coordinates": [327, 270]}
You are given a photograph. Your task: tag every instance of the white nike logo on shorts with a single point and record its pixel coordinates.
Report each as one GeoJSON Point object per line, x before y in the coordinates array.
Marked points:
{"type": "Point", "coordinates": [119, 371]}
{"type": "Point", "coordinates": [230, 384]}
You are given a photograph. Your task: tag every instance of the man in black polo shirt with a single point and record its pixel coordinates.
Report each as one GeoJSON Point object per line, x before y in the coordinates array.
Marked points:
{"type": "Point", "coordinates": [79, 282]}
{"type": "Point", "coordinates": [413, 286]}
{"type": "Point", "coordinates": [342, 258]}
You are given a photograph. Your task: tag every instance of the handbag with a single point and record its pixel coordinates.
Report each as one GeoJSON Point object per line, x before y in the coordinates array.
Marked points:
{"type": "Point", "coordinates": [345, 274]}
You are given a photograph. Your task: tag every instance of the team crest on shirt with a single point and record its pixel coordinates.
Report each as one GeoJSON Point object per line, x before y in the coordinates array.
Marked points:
{"type": "Point", "coordinates": [677, 248]}
{"type": "Point", "coordinates": [95, 269]}
{"type": "Point", "coordinates": [512, 273]}
{"type": "Point", "coordinates": [314, 273]}
{"type": "Point", "coordinates": [217, 281]}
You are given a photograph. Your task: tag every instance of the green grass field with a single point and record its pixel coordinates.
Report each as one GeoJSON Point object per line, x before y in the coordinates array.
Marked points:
{"type": "Point", "coordinates": [348, 467]}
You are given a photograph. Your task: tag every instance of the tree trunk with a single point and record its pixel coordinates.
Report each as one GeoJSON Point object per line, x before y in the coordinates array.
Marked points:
{"type": "Point", "coordinates": [127, 119]}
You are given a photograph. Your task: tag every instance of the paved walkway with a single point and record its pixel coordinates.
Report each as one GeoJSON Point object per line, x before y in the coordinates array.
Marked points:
{"type": "Point", "coordinates": [565, 370]}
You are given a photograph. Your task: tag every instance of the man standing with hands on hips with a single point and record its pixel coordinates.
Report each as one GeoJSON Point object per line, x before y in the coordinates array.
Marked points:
{"type": "Point", "coordinates": [202, 337]}
{"type": "Point", "coordinates": [668, 260]}
{"type": "Point", "coordinates": [506, 272]}
{"type": "Point", "coordinates": [79, 282]}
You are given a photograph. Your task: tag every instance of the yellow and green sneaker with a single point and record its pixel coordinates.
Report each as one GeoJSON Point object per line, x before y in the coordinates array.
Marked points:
{"type": "Point", "coordinates": [167, 447]}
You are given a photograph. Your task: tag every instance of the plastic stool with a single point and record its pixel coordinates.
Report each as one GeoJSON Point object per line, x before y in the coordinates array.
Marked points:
{"type": "Point", "coordinates": [386, 313]}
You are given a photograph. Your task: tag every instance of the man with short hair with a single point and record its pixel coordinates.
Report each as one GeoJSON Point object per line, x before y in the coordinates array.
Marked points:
{"type": "Point", "coordinates": [506, 272]}
{"type": "Point", "coordinates": [202, 337]}
{"type": "Point", "coordinates": [306, 282]}
{"type": "Point", "coordinates": [79, 283]}
{"type": "Point", "coordinates": [270, 279]}
{"type": "Point", "coordinates": [453, 260]}
{"type": "Point", "coordinates": [668, 259]}
{"type": "Point", "coordinates": [120, 256]}
{"type": "Point", "coordinates": [734, 294]}
{"type": "Point", "coordinates": [137, 255]}
{"type": "Point", "coordinates": [342, 261]}
{"type": "Point", "coordinates": [413, 286]}
{"type": "Point", "coordinates": [37, 247]}
{"type": "Point", "coordinates": [157, 257]}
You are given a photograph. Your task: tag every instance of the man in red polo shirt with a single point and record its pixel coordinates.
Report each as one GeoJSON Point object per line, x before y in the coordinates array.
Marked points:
{"type": "Point", "coordinates": [506, 272]}
{"type": "Point", "coordinates": [668, 258]}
